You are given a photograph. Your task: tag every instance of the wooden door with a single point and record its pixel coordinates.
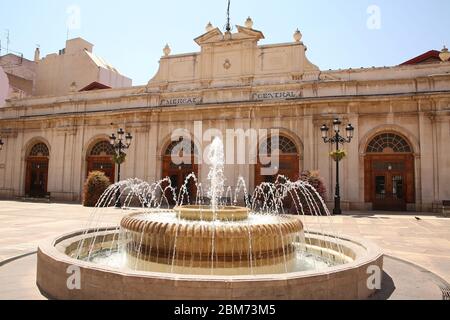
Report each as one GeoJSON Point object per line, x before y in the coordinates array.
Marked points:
{"type": "Point", "coordinates": [102, 164]}
{"type": "Point", "coordinates": [37, 177]}
{"type": "Point", "coordinates": [288, 167]}
{"type": "Point", "coordinates": [389, 191]}
{"type": "Point", "coordinates": [389, 181]}
{"type": "Point", "coordinates": [178, 175]}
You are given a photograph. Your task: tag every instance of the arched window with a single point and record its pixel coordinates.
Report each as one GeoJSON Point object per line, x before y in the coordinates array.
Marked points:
{"type": "Point", "coordinates": [103, 148]}
{"type": "Point", "coordinates": [389, 143]}
{"type": "Point", "coordinates": [178, 173]}
{"type": "Point", "coordinates": [100, 158]}
{"type": "Point", "coordinates": [287, 163]}
{"type": "Point", "coordinates": [285, 145]}
{"type": "Point", "coordinates": [39, 150]}
{"type": "Point", "coordinates": [181, 145]}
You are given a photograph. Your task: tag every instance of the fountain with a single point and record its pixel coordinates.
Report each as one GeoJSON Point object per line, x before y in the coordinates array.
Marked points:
{"type": "Point", "coordinates": [218, 250]}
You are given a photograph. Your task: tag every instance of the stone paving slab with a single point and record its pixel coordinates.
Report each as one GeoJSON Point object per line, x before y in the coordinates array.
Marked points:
{"type": "Point", "coordinates": [18, 280]}
{"type": "Point", "coordinates": [424, 242]}
{"type": "Point", "coordinates": [24, 225]}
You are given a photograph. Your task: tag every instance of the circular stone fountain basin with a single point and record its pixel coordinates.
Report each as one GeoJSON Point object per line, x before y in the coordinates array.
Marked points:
{"type": "Point", "coordinates": [268, 240]}
{"type": "Point", "coordinates": [346, 280]}
{"type": "Point", "coordinates": [206, 213]}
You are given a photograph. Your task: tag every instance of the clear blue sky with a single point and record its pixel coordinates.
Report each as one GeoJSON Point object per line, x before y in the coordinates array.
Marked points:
{"type": "Point", "coordinates": [131, 34]}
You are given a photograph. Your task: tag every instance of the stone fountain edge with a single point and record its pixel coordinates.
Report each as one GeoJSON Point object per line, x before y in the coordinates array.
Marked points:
{"type": "Point", "coordinates": [347, 281]}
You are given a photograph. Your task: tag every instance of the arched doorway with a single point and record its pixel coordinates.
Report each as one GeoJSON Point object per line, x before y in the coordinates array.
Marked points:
{"type": "Point", "coordinates": [37, 171]}
{"type": "Point", "coordinates": [289, 160]}
{"type": "Point", "coordinates": [389, 173]}
{"type": "Point", "coordinates": [100, 158]}
{"type": "Point", "coordinates": [179, 172]}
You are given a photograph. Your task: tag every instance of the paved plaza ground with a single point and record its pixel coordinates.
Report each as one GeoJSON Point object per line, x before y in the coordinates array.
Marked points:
{"type": "Point", "coordinates": [419, 238]}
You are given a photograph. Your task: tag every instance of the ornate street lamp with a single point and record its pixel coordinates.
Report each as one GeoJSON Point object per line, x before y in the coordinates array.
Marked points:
{"type": "Point", "coordinates": [337, 139]}
{"type": "Point", "coordinates": [120, 143]}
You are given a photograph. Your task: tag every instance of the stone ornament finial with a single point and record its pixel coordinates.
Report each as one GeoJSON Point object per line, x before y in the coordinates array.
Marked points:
{"type": "Point", "coordinates": [37, 54]}
{"type": "Point", "coordinates": [444, 55]}
{"type": "Point", "coordinates": [297, 36]}
{"type": "Point", "coordinates": [209, 27]}
{"type": "Point", "coordinates": [73, 87]}
{"type": "Point", "coordinates": [249, 23]}
{"type": "Point", "coordinates": [167, 50]}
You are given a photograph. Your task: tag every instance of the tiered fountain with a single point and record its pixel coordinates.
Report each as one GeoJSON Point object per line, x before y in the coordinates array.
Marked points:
{"type": "Point", "coordinates": [214, 251]}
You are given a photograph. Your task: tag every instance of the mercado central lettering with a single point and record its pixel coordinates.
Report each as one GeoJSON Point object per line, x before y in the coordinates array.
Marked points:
{"type": "Point", "coordinates": [397, 159]}
{"type": "Point", "coordinates": [256, 96]}
{"type": "Point", "coordinates": [177, 101]}
{"type": "Point", "coordinates": [276, 95]}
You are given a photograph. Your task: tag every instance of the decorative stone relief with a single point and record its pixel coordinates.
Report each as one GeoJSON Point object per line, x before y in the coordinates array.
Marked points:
{"type": "Point", "coordinates": [227, 64]}
{"type": "Point", "coordinates": [164, 86]}
{"type": "Point", "coordinates": [247, 80]}
{"type": "Point", "coordinates": [205, 83]}
{"type": "Point", "coordinates": [9, 132]}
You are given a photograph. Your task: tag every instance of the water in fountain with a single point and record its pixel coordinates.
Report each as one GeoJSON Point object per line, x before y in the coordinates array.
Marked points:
{"type": "Point", "coordinates": [216, 159]}
{"type": "Point", "coordinates": [219, 239]}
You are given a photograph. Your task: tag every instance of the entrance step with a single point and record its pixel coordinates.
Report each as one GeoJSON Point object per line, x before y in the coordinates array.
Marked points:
{"type": "Point", "coordinates": [34, 200]}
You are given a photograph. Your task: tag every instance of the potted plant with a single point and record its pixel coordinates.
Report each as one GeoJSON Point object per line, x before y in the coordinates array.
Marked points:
{"type": "Point", "coordinates": [119, 158]}
{"type": "Point", "coordinates": [338, 155]}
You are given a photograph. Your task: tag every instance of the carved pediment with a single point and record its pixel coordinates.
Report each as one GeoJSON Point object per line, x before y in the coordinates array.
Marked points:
{"type": "Point", "coordinates": [248, 33]}
{"type": "Point", "coordinates": [212, 36]}
{"type": "Point", "coordinates": [234, 58]}
{"type": "Point", "coordinates": [215, 35]}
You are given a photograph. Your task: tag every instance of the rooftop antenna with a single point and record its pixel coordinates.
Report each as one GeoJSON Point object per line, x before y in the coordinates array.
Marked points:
{"type": "Point", "coordinates": [7, 41]}
{"type": "Point", "coordinates": [228, 26]}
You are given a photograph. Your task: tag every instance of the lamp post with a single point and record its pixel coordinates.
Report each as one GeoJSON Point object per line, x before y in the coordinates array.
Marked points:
{"type": "Point", "coordinates": [337, 139]}
{"type": "Point", "coordinates": [120, 143]}
{"type": "Point", "coordinates": [1, 144]}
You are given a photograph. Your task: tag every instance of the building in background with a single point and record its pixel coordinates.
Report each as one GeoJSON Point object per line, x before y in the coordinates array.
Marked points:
{"type": "Point", "coordinates": [4, 87]}
{"type": "Point", "coordinates": [398, 159]}
{"type": "Point", "coordinates": [74, 68]}
{"type": "Point", "coordinates": [21, 75]}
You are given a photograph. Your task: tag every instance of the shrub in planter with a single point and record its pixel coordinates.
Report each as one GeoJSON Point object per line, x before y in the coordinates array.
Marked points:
{"type": "Point", "coordinates": [315, 180]}
{"type": "Point", "coordinates": [317, 184]}
{"type": "Point", "coordinates": [94, 187]}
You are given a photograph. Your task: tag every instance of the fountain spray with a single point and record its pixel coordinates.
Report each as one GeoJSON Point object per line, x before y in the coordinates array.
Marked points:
{"type": "Point", "coordinates": [216, 176]}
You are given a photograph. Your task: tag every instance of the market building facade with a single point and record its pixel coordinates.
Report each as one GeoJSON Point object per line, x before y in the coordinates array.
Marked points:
{"type": "Point", "coordinates": [398, 159]}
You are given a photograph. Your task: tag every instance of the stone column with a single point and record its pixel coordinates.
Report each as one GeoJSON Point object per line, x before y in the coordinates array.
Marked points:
{"type": "Point", "coordinates": [307, 155]}
{"type": "Point", "coordinates": [354, 168]}
{"type": "Point", "coordinates": [427, 169]}
{"type": "Point", "coordinates": [138, 153]}
{"type": "Point", "coordinates": [443, 134]}
{"type": "Point", "coordinates": [10, 164]}
{"type": "Point", "coordinates": [70, 165]}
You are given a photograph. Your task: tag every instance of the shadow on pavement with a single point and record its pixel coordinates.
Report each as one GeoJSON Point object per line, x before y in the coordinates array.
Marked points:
{"type": "Point", "coordinates": [387, 288]}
